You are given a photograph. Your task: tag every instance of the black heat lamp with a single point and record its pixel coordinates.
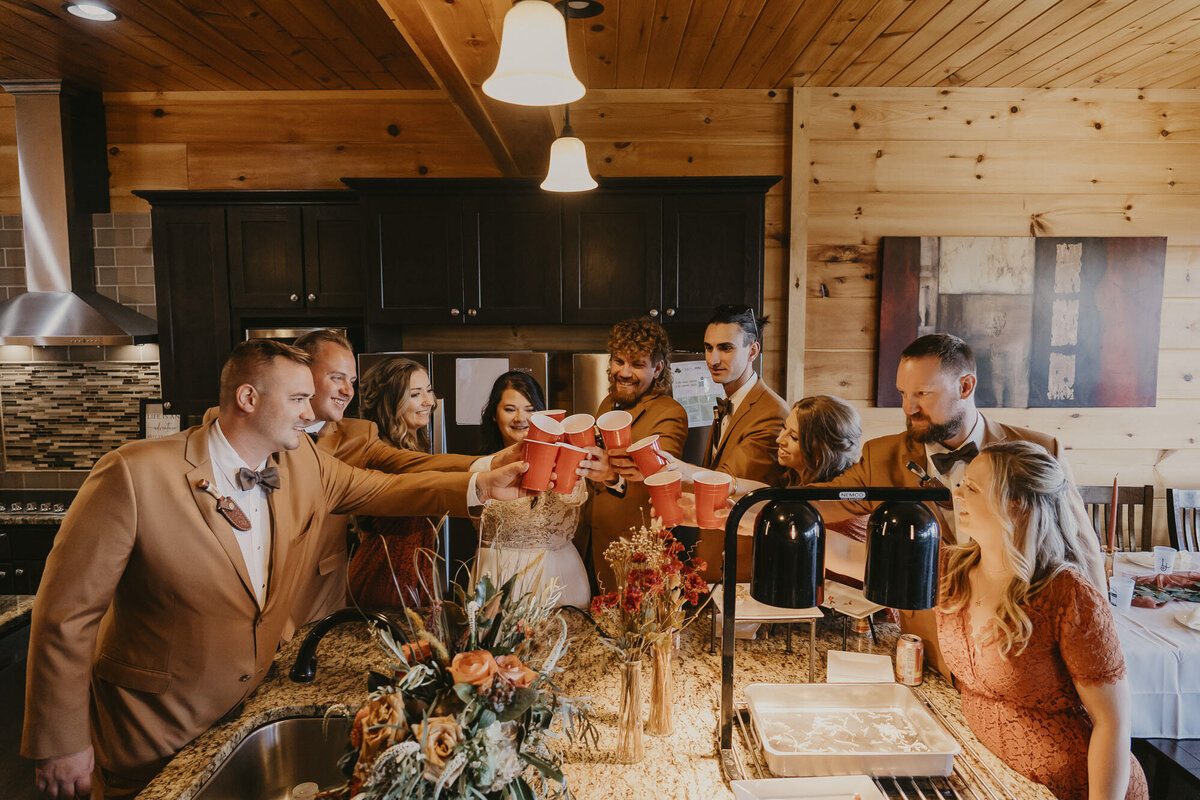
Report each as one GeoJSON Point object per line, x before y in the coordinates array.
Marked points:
{"type": "Point", "coordinates": [789, 562]}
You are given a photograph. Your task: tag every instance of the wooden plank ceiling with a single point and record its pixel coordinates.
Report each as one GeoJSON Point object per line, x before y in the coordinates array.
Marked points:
{"type": "Point", "coordinates": [181, 45]}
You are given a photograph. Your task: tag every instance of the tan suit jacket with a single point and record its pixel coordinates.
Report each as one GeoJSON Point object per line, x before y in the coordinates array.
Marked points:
{"type": "Point", "coordinates": [146, 629]}
{"type": "Point", "coordinates": [883, 464]}
{"type": "Point", "coordinates": [355, 442]}
{"type": "Point", "coordinates": [747, 450]}
{"type": "Point", "coordinates": [611, 516]}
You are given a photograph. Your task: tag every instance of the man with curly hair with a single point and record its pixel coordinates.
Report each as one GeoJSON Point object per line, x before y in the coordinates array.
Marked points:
{"type": "Point", "coordinates": [639, 381]}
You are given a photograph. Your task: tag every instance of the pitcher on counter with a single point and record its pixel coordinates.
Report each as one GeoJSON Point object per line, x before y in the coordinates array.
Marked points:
{"type": "Point", "coordinates": [175, 571]}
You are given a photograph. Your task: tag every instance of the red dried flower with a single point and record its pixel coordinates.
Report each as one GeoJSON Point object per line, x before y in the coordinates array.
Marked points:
{"type": "Point", "coordinates": [638, 558]}
{"type": "Point", "coordinates": [631, 603]}
{"type": "Point", "coordinates": [603, 601]}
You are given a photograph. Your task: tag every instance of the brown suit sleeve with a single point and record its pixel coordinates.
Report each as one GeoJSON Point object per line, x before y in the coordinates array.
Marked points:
{"type": "Point", "coordinates": [672, 429]}
{"type": "Point", "coordinates": [348, 490]}
{"type": "Point", "coordinates": [858, 475]}
{"type": "Point", "coordinates": [90, 553]}
{"type": "Point", "coordinates": [385, 458]}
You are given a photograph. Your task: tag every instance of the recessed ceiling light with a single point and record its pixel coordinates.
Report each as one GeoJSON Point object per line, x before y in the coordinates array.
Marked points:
{"type": "Point", "coordinates": [579, 9]}
{"type": "Point", "coordinates": [91, 11]}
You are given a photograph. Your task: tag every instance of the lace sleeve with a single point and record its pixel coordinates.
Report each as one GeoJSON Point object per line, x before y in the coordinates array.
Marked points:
{"type": "Point", "coordinates": [1087, 634]}
{"type": "Point", "coordinates": [578, 496]}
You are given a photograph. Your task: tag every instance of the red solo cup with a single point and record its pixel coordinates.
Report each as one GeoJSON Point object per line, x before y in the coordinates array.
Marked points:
{"type": "Point", "coordinates": [647, 456]}
{"type": "Point", "coordinates": [712, 489]}
{"type": "Point", "coordinates": [665, 490]}
{"type": "Point", "coordinates": [557, 414]}
{"type": "Point", "coordinates": [541, 457]}
{"type": "Point", "coordinates": [544, 428]}
{"type": "Point", "coordinates": [616, 429]}
{"type": "Point", "coordinates": [580, 430]}
{"type": "Point", "coordinates": [569, 458]}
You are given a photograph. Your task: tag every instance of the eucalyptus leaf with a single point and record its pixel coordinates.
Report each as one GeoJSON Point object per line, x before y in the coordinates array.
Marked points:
{"type": "Point", "coordinates": [522, 700]}
{"type": "Point", "coordinates": [548, 769]}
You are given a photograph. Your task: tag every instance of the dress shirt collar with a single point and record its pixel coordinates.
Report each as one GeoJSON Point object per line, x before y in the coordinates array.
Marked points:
{"type": "Point", "coordinates": [737, 397]}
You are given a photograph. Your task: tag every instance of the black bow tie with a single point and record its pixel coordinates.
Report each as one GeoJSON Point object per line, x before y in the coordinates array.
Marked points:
{"type": "Point", "coordinates": [267, 478]}
{"type": "Point", "coordinates": [312, 435]}
{"type": "Point", "coordinates": [723, 409]}
{"type": "Point", "coordinates": [944, 462]}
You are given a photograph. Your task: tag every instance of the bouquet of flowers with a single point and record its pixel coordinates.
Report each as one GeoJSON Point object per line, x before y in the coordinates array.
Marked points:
{"type": "Point", "coordinates": [653, 587]}
{"type": "Point", "coordinates": [468, 713]}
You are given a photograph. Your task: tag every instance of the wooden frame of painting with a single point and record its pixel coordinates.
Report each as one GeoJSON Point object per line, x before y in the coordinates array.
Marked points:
{"type": "Point", "coordinates": [1055, 322]}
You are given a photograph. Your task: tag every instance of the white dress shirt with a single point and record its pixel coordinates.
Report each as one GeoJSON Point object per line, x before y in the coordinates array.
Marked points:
{"type": "Point", "coordinates": [256, 542]}
{"type": "Point", "coordinates": [954, 477]}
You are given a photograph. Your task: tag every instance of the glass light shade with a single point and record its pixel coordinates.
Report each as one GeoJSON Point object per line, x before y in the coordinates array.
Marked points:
{"type": "Point", "coordinates": [568, 167]}
{"type": "Point", "coordinates": [534, 68]}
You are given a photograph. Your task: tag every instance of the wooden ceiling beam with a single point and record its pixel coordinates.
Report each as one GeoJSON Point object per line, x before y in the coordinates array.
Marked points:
{"type": "Point", "coordinates": [458, 45]}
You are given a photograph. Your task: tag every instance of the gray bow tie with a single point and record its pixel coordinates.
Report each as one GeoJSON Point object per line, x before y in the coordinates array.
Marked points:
{"type": "Point", "coordinates": [267, 478]}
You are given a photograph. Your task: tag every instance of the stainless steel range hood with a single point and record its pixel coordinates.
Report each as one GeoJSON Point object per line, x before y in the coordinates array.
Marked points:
{"type": "Point", "coordinates": [64, 180]}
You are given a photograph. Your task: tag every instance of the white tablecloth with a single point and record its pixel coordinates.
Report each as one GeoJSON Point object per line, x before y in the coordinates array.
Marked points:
{"type": "Point", "coordinates": [1162, 658]}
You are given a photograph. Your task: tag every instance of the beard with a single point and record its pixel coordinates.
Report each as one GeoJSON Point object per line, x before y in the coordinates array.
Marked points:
{"type": "Point", "coordinates": [936, 432]}
{"type": "Point", "coordinates": [626, 394]}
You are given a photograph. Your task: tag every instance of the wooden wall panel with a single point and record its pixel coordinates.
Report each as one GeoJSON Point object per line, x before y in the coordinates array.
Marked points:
{"type": "Point", "coordinates": [10, 192]}
{"type": "Point", "coordinates": [902, 162]}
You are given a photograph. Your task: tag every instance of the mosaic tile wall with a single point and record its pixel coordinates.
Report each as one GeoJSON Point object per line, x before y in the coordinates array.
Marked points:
{"type": "Point", "coordinates": [124, 259]}
{"type": "Point", "coordinates": [65, 415]}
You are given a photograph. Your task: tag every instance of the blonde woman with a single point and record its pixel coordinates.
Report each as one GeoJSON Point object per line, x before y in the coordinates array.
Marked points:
{"type": "Point", "coordinates": [1029, 638]}
{"type": "Point", "coordinates": [397, 396]}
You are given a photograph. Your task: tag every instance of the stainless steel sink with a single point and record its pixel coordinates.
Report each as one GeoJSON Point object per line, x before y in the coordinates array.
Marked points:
{"type": "Point", "coordinates": [275, 759]}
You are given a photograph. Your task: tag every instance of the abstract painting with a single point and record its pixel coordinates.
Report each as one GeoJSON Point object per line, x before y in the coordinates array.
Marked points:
{"type": "Point", "coordinates": [1054, 322]}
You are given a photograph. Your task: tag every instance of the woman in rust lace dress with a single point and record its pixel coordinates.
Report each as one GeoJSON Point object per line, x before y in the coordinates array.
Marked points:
{"type": "Point", "coordinates": [397, 396]}
{"type": "Point", "coordinates": [1029, 639]}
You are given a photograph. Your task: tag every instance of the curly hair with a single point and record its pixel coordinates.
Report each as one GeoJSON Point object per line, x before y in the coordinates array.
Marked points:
{"type": "Point", "coordinates": [1031, 494]}
{"type": "Point", "coordinates": [644, 336]}
{"type": "Point", "coordinates": [829, 430]}
{"type": "Point", "coordinates": [383, 398]}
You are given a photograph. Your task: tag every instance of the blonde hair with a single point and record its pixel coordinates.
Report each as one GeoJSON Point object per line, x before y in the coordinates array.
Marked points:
{"type": "Point", "coordinates": [829, 430]}
{"type": "Point", "coordinates": [383, 397]}
{"type": "Point", "coordinates": [1031, 495]}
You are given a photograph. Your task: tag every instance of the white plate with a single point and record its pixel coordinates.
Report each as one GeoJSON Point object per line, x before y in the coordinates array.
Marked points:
{"type": "Point", "coordinates": [844, 667]}
{"type": "Point", "coordinates": [1181, 616]}
{"type": "Point", "coordinates": [749, 609]}
{"type": "Point", "coordinates": [849, 601]}
{"type": "Point", "coordinates": [842, 787]}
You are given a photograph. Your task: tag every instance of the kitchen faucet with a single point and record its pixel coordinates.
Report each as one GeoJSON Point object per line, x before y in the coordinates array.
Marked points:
{"type": "Point", "coordinates": [305, 668]}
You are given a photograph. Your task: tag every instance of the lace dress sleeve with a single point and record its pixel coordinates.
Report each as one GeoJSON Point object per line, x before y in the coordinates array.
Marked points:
{"type": "Point", "coordinates": [1087, 634]}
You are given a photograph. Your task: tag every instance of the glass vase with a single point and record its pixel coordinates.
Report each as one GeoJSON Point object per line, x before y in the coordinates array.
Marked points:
{"type": "Point", "coordinates": [629, 719]}
{"type": "Point", "coordinates": [661, 719]}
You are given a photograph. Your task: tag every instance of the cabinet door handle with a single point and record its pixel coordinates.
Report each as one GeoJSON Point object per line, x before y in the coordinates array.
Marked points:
{"type": "Point", "coordinates": [472, 312]}
{"type": "Point", "coordinates": [454, 312]}
{"type": "Point", "coordinates": [294, 297]}
{"type": "Point", "coordinates": [18, 572]}
{"type": "Point", "coordinates": [654, 312]}
{"type": "Point", "coordinates": [311, 297]}
{"type": "Point", "coordinates": [670, 312]}
{"type": "Point", "coordinates": [167, 406]}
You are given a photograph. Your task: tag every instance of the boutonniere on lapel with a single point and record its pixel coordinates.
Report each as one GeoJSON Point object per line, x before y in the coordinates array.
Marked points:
{"type": "Point", "coordinates": [225, 505]}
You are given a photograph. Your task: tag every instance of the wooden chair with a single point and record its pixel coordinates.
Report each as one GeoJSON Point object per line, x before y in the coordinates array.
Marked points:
{"type": "Point", "coordinates": [1183, 519]}
{"type": "Point", "coordinates": [1135, 502]}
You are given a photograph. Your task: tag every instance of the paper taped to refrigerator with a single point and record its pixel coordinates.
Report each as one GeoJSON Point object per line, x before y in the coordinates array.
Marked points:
{"type": "Point", "coordinates": [695, 390]}
{"type": "Point", "coordinates": [473, 383]}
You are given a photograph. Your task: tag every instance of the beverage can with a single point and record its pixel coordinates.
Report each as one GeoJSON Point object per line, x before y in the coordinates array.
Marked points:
{"type": "Point", "coordinates": [910, 659]}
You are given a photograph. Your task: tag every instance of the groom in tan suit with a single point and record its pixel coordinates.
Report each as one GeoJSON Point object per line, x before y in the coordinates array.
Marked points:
{"type": "Point", "coordinates": [747, 421]}
{"type": "Point", "coordinates": [159, 612]}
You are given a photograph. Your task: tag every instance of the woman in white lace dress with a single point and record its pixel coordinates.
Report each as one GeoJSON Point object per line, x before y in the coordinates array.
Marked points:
{"type": "Point", "coordinates": [515, 533]}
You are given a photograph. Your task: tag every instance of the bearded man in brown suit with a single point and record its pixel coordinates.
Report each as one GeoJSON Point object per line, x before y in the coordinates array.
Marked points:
{"type": "Point", "coordinates": [944, 431]}
{"type": "Point", "coordinates": [639, 381]}
{"type": "Point", "coordinates": [176, 567]}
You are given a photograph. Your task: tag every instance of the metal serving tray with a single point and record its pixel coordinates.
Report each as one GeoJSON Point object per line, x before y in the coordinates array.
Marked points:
{"type": "Point", "coordinates": [812, 729]}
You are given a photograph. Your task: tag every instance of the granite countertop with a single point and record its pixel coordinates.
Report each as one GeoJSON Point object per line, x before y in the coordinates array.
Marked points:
{"type": "Point", "coordinates": [14, 611]}
{"type": "Point", "coordinates": [682, 765]}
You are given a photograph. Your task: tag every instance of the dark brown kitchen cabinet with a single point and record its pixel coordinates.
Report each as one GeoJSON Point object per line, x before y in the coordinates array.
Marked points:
{"type": "Point", "coordinates": [192, 290]}
{"type": "Point", "coordinates": [612, 257]}
{"type": "Point", "coordinates": [512, 258]}
{"type": "Point", "coordinates": [283, 256]}
{"type": "Point", "coordinates": [417, 243]}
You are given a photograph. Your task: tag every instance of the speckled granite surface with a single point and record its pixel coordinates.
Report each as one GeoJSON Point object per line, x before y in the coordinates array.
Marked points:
{"type": "Point", "coordinates": [14, 611]}
{"type": "Point", "coordinates": [682, 765]}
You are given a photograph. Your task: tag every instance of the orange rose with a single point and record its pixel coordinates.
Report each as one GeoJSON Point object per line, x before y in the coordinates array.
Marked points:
{"type": "Point", "coordinates": [475, 667]}
{"type": "Point", "coordinates": [377, 726]}
{"type": "Point", "coordinates": [516, 673]}
{"type": "Point", "coordinates": [442, 737]}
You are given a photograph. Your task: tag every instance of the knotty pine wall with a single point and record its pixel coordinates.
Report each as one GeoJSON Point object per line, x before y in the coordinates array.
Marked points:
{"type": "Point", "coordinates": [998, 162]}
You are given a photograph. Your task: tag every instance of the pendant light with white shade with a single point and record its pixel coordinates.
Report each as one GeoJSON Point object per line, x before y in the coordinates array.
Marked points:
{"type": "Point", "coordinates": [534, 68]}
{"type": "Point", "coordinates": [568, 170]}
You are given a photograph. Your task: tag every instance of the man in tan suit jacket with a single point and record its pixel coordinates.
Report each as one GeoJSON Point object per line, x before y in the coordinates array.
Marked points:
{"type": "Point", "coordinates": [742, 441]}
{"type": "Point", "coordinates": [157, 614]}
{"type": "Point", "coordinates": [639, 382]}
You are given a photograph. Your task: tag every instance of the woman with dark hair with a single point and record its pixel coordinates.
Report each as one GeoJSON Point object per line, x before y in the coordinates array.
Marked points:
{"type": "Point", "coordinates": [1031, 641]}
{"type": "Point", "coordinates": [397, 396]}
{"type": "Point", "coordinates": [532, 536]}
{"type": "Point", "coordinates": [505, 420]}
